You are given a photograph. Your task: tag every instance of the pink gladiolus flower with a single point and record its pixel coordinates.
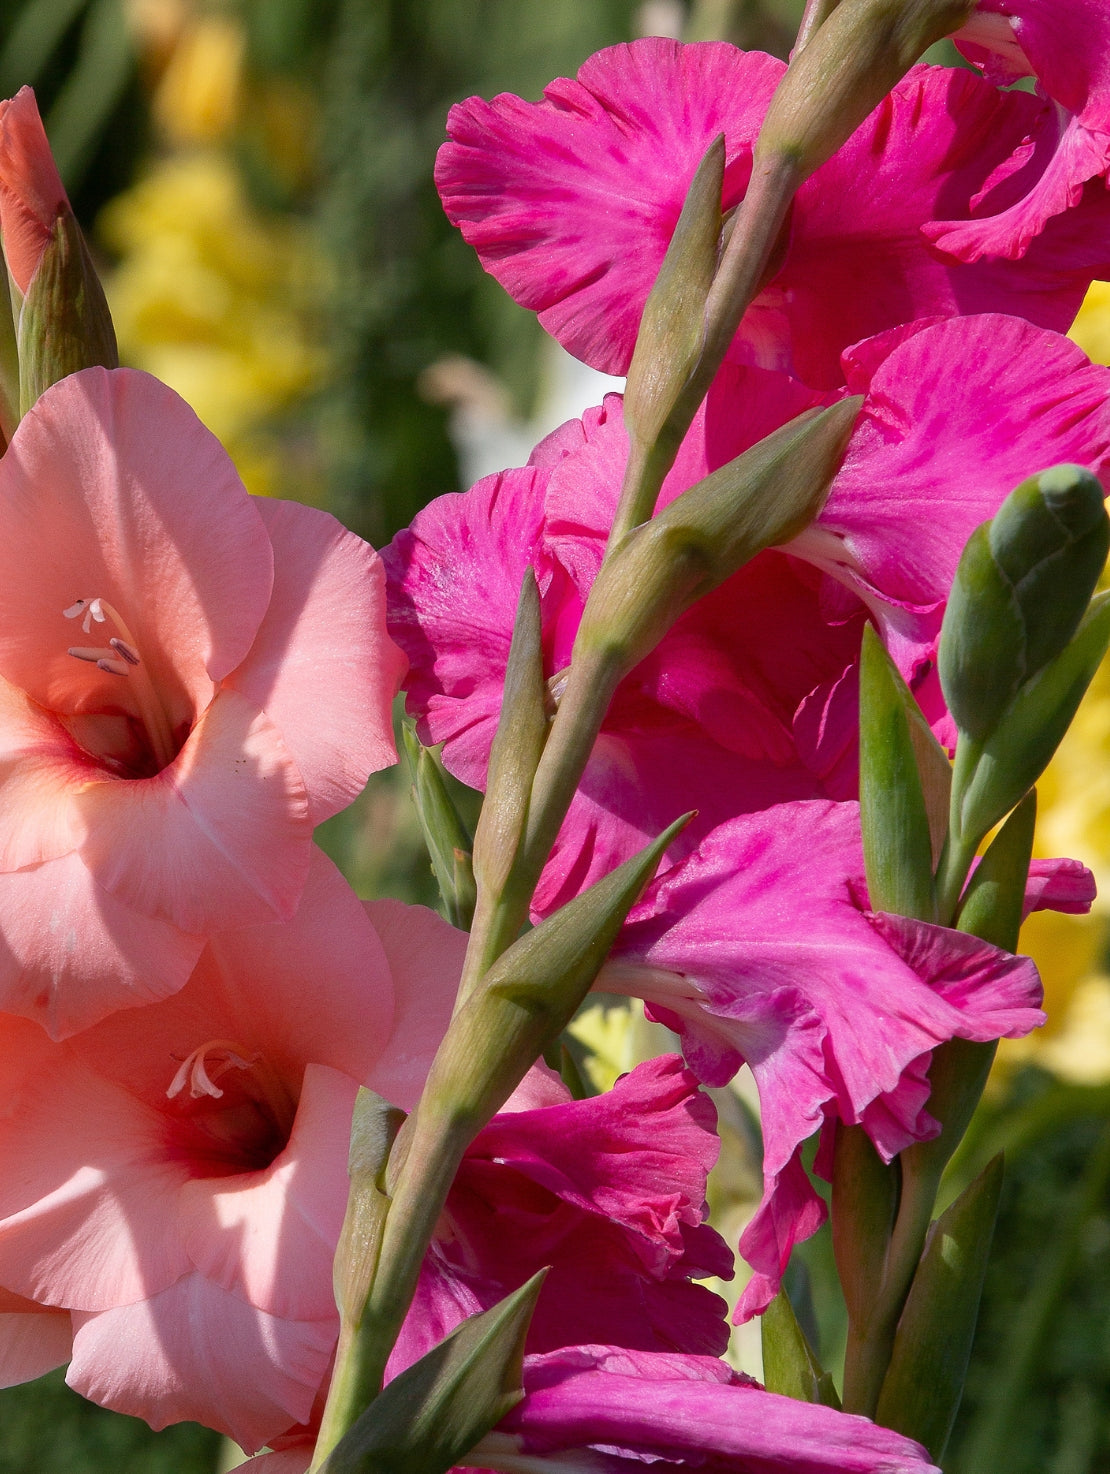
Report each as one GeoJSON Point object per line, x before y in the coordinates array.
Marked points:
{"type": "Point", "coordinates": [175, 1176]}
{"type": "Point", "coordinates": [31, 192]}
{"type": "Point", "coordinates": [760, 949]}
{"type": "Point", "coordinates": [601, 1409]}
{"type": "Point", "coordinates": [570, 203]}
{"type": "Point", "coordinates": [1054, 172]}
{"type": "Point", "coordinates": [751, 699]}
{"type": "Point", "coordinates": [610, 1193]}
{"type": "Point", "coordinates": [190, 680]}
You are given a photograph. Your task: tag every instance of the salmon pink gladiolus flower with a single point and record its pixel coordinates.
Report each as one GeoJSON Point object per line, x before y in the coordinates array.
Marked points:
{"type": "Point", "coordinates": [190, 680]}
{"type": "Point", "coordinates": [175, 1177]}
{"type": "Point", "coordinates": [31, 193]}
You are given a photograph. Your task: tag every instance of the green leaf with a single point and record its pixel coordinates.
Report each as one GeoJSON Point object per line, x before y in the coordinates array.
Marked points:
{"type": "Point", "coordinates": [427, 1419]}
{"type": "Point", "coordinates": [897, 840]}
{"type": "Point", "coordinates": [449, 844]}
{"type": "Point", "coordinates": [789, 1365]}
{"type": "Point", "coordinates": [995, 897]}
{"type": "Point", "coordinates": [924, 1383]}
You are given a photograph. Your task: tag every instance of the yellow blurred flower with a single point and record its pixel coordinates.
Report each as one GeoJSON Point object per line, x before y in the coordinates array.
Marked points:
{"type": "Point", "coordinates": [214, 299]}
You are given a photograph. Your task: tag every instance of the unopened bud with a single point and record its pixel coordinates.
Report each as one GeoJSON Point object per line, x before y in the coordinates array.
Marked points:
{"type": "Point", "coordinates": [672, 329]}
{"type": "Point", "coordinates": [449, 844]}
{"type": "Point", "coordinates": [845, 70]}
{"type": "Point", "coordinates": [1022, 586]}
{"type": "Point", "coordinates": [763, 498]}
{"type": "Point", "coordinates": [62, 318]}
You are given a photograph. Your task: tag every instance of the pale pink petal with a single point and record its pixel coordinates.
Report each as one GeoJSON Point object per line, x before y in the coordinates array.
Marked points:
{"type": "Point", "coordinates": [146, 511]}
{"type": "Point", "coordinates": [425, 957]}
{"type": "Point", "coordinates": [42, 770]}
{"type": "Point", "coordinates": [322, 666]}
{"type": "Point", "coordinates": [269, 1237]}
{"type": "Point", "coordinates": [196, 1353]}
{"type": "Point", "coordinates": [70, 953]}
{"type": "Point", "coordinates": [31, 193]}
{"type": "Point", "coordinates": [220, 838]}
{"type": "Point", "coordinates": [88, 1193]}
{"type": "Point", "coordinates": [313, 989]}
{"type": "Point", "coordinates": [33, 1339]}
{"type": "Point", "coordinates": [570, 202]}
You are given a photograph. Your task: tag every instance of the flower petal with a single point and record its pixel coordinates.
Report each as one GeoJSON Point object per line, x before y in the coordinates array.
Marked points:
{"type": "Point", "coordinates": [322, 666]}
{"type": "Point", "coordinates": [220, 838]}
{"type": "Point", "coordinates": [113, 489]}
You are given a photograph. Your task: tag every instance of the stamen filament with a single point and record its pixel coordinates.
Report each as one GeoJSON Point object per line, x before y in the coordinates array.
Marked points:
{"type": "Point", "coordinates": [122, 659]}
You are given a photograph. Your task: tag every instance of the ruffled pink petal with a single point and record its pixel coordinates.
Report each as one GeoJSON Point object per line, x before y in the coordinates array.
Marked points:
{"type": "Point", "coordinates": [829, 1016]}
{"type": "Point", "coordinates": [955, 417]}
{"type": "Point", "coordinates": [220, 838]}
{"type": "Point", "coordinates": [33, 1339]}
{"type": "Point", "coordinates": [314, 989]}
{"type": "Point", "coordinates": [678, 1411]}
{"type": "Point", "coordinates": [454, 581]}
{"type": "Point", "coordinates": [71, 954]}
{"type": "Point", "coordinates": [425, 956]}
{"type": "Point", "coordinates": [31, 192]}
{"type": "Point", "coordinates": [322, 666]}
{"type": "Point", "coordinates": [570, 202]}
{"type": "Point", "coordinates": [144, 510]}
{"type": "Point", "coordinates": [195, 1353]}
{"type": "Point", "coordinates": [269, 1237]}
{"type": "Point", "coordinates": [1066, 47]}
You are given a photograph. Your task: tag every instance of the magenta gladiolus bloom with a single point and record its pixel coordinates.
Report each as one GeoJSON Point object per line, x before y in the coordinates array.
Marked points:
{"type": "Point", "coordinates": [570, 203]}
{"type": "Point", "coordinates": [752, 698]}
{"type": "Point", "coordinates": [1055, 171]}
{"type": "Point", "coordinates": [600, 1409]}
{"type": "Point", "coordinates": [760, 949]}
{"type": "Point", "coordinates": [190, 680]}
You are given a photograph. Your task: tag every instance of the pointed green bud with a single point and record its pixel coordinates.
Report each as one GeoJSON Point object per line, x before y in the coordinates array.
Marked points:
{"type": "Point", "coordinates": [897, 845]}
{"type": "Point", "coordinates": [517, 746]}
{"type": "Point", "coordinates": [530, 994]}
{"type": "Point", "coordinates": [64, 324]}
{"type": "Point", "coordinates": [763, 498]}
{"type": "Point", "coordinates": [844, 71]}
{"type": "Point", "coordinates": [428, 1418]}
{"type": "Point", "coordinates": [672, 328]}
{"type": "Point", "coordinates": [449, 845]}
{"type": "Point", "coordinates": [924, 1383]}
{"type": "Point", "coordinates": [374, 1127]}
{"type": "Point", "coordinates": [996, 774]}
{"type": "Point", "coordinates": [789, 1364]}
{"type": "Point", "coordinates": [995, 897]}
{"type": "Point", "coordinates": [1022, 586]}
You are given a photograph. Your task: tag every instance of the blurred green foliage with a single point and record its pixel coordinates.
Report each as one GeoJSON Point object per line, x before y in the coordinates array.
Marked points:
{"type": "Point", "coordinates": [404, 291]}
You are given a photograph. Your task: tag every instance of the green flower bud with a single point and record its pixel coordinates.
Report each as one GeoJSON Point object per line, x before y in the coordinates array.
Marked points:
{"type": "Point", "coordinates": [1020, 591]}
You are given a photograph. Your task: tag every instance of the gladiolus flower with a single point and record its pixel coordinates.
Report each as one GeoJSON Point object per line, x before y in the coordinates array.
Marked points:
{"type": "Point", "coordinates": [570, 203]}
{"type": "Point", "coordinates": [190, 681]}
